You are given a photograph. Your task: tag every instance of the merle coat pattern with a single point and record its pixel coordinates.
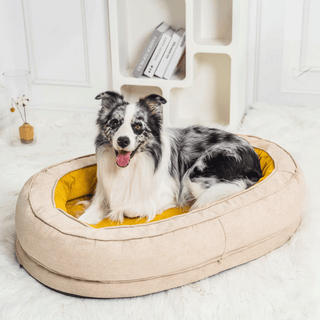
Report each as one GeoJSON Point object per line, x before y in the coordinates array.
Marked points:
{"type": "Point", "coordinates": [194, 165]}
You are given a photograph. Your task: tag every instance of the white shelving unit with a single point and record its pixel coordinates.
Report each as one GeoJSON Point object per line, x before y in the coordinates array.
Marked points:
{"type": "Point", "coordinates": [212, 90]}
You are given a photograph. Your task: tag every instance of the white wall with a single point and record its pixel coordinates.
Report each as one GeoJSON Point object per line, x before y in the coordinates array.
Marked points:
{"type": "Point", "coordinates": [284, 50]}
{"type": "Point", "coordinates": [65, 44]}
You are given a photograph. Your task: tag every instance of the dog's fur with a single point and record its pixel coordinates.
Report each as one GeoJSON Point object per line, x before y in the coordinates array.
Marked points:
{"type": "Point", "coordinates": [168, 167]}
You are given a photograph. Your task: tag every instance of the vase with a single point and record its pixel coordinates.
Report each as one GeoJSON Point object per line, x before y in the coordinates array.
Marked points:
{"type": "Point", "coordinates": [26, 133]}
{"type": "Point", "coordinates": [19, 105]}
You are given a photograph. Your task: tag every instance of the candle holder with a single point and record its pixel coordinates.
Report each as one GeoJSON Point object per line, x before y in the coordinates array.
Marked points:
{"type": "Point", "coordinates": [19, 106]}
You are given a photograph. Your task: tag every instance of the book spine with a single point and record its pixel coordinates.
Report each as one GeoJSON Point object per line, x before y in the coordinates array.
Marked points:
{"type": "Point", "coordinates": [175, 58]}
{"type": "Point", "coordinates": [167, 55]}
{"type": "Point", "coordinates": [147, 53]}
{"type": "Point", "coordinates": [157, 55]}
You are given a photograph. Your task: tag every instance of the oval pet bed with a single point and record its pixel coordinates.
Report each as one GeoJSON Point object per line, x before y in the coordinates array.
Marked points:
{"type": "Point", "coordinates": [137, 258]}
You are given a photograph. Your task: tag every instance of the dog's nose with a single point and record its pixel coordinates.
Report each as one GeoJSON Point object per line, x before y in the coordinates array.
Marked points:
{"type": "Point", "coordinates": [123, 142]}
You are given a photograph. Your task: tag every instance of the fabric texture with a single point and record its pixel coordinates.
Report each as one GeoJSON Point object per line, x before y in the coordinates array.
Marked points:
{"type": "Point", "coordinates": [71, 256]}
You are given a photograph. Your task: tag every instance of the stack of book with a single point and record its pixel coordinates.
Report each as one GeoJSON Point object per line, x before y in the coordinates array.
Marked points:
{"type": "Point", "coordinates": [164, 51]}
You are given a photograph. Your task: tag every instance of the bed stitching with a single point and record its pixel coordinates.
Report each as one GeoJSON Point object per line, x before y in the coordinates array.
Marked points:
{"type": "Point", "coordinates": [225, 240]}
{"type": "Point", "coordinates": [210, 219]}
{"type": "Point", "coordinates": [67, 161]}
{"type": "Point", "coordinates": [187, 213]}
{"type": "Point", "coordinates": [203, 264]}
{"type": "Point", "coordinates": [171, 218]}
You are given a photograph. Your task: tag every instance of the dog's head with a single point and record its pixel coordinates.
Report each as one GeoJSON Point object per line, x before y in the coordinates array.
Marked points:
{"type": "Point", "coordinates": [129, 128]}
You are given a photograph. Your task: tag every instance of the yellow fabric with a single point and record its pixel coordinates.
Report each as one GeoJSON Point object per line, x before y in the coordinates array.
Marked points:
{"type": "Point", "coordinates": [80, 184]}
{"type": "Point", "coordinates": [75, 186]}
{"type": "Point", "coordinates": [266, 163]}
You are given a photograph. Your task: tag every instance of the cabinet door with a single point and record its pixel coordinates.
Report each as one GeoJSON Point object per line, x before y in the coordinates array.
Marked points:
{"type": "Point", "coordinates": [65, 44]}
{"type": "Point", "coordinates": [284, 56]}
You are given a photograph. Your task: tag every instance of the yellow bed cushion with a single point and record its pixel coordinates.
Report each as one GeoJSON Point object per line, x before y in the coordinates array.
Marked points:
{"type": "Point", "coordinates": [80, 185]}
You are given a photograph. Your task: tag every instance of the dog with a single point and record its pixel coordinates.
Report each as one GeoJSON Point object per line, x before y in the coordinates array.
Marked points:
{"type": "Point", "coordinates": [144, 169]}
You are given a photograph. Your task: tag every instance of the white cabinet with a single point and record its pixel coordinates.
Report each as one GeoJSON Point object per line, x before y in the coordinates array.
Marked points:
{"type": "Point", "coordinates": [212, 90]}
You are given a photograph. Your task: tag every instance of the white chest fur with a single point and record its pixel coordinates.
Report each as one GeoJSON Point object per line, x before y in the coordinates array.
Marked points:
{"type": "Point", "coordinates": [136, 190]}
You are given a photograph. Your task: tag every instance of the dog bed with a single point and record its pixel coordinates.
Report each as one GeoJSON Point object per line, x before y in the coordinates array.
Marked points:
{"type": "Point", "coordinates": [135, 258]}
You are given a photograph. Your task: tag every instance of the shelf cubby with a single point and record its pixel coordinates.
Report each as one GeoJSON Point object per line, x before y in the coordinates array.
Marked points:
{"type": "Point", "coordinates": [207, 100]}
{"type": "Point", "coordinates": [134, 93]}
{"type": "Point", "coordinates": [212, 22]}
{"type": "Point", "coordinates": [212, 89]}
{"type": "Point", "coordinates": [136, 19]}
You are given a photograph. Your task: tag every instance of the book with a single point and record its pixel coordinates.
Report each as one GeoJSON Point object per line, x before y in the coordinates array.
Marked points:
{"type": "Point", "coordinates": [181, 67]}
{"type": "Point", "coordinates": [168, 53]}
{"type": "Point", "coordinates": [158, 53]}
{"type": "Point", "coordinates": [148, 51]}
{"type": "Point", "coordinates": [176, 57]}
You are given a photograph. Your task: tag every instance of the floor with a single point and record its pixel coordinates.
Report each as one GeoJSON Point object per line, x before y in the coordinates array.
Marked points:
{"type": "Point", "coordinates": [283, 284]}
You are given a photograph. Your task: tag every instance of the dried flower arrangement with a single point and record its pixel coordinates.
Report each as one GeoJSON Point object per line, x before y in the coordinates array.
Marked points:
{"type": "Point", "coordinates": [26, 130]}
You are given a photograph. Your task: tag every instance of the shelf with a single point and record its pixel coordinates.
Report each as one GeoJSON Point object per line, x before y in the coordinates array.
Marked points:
{"type": "Point", "coordinates": [134, 93]}
{"type": "Point", "coordinates": [212, 89]}
{"type": "Point", "coordinates": [207, 101]}
{"type": "Point", "coordinates": [136, 20]}
{"type": "Point", "coordinates": [212, 22]}
{"type": "Point", "coordinates": [127, 73]}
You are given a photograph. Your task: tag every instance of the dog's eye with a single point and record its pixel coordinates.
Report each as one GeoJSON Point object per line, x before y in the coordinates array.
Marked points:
{"type": "Point", "coordinates": [114, 123]}
{"type": "Point", "coordinates": [137, 127]}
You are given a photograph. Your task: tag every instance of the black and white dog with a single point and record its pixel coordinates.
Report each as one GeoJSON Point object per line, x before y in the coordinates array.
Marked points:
{"type": "Point", "coordinates": [144, 169]}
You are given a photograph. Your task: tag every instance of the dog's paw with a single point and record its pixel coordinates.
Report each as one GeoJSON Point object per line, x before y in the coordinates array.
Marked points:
{"type": "Point", "coordinates": [116, 215]}
{"type": "Point", "coordinates": [92, 215]}
{"type": "Point", "coordinates": [84, 203]}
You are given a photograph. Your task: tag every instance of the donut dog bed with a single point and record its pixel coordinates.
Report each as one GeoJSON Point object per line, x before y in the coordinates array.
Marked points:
{"type": "Point", "coordinates": [135, 258]}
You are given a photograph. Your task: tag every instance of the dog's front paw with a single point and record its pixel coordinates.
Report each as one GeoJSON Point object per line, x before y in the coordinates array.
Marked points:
{"type": "Point", "coordinates": [116, 215]}
{"type": "Point", "coordinates": [84, 203]}
{"type": "Point", "coordinates": [92, 215]}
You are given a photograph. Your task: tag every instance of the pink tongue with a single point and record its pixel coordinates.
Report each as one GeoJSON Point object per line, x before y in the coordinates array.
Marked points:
{"type": "Point", "coordinates": [123, 159]}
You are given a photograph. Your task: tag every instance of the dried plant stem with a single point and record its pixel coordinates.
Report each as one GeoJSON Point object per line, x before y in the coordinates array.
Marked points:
{"type": "Point", "coordinates": [12, 101]}
{"type": "Point", "coordinates": [25, 115]}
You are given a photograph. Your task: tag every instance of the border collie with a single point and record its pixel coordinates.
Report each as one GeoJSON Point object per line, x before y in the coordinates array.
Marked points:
{"type": "Point", "coordinates": [144, 169]}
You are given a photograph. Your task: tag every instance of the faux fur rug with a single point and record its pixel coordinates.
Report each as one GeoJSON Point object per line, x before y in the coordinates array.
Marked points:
{"type": "Point", "coordinates": [280, 285]}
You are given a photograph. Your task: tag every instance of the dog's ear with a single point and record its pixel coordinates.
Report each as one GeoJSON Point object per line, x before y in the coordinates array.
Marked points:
{"type": "Point", "coordinates": [154, 102]}
{"type": "Point", "coordinates": [110, 99]}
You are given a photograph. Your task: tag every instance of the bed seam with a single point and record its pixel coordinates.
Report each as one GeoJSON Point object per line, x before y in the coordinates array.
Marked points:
{"type": "Point", "coordinates": [203, 264]}
{"type": "Point", "coordinates": [187, 213]}
{"type": "Point", "coordinates": [171, 218]}
{"type": "Point", "coordinates": [210, 219]}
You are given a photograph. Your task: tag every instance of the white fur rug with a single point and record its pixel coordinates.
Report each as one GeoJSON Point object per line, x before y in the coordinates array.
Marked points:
{"type": "Point", "coordinates": [281, 285]}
